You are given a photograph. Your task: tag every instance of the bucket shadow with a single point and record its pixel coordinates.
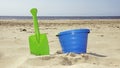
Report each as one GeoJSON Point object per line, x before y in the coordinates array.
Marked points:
{"type": "Point", "coordinates": [98, 55]}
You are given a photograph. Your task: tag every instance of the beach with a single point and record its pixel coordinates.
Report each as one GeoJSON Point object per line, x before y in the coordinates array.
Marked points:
{"type": "Point", "coordinates": [103, 50]}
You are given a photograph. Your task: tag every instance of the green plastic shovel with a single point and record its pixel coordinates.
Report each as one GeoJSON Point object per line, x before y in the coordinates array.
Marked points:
{"type": "Point", "coordinates": [38, 43]}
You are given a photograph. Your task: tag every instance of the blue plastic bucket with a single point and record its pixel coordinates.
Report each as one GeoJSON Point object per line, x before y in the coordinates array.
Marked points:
{"type": "Point", "coordinates": [74, 41]}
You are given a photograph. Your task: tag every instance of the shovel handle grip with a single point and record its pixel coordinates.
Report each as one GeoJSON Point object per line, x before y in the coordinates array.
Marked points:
{"type": "Point", "coordinates": [35, 22]}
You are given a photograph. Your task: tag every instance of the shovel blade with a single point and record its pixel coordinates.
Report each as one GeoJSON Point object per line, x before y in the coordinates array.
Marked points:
{"type": "Point", "coordinates": [39, 48]}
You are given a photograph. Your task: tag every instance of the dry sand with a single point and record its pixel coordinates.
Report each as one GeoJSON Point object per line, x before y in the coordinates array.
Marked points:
{"type": "Point", "coordinates": [103, 44]}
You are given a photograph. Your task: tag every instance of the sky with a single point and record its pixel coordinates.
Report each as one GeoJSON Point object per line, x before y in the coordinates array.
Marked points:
{"type": "Point", "coordinates": [60, 7]}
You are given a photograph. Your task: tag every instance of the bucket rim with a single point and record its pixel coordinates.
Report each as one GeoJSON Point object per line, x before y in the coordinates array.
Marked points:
{"type": "Point", "coordinates": [83, 30]}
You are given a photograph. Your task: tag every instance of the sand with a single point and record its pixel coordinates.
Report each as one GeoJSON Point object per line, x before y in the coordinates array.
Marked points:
{"type": "Point", "coordinates": [103, 44]}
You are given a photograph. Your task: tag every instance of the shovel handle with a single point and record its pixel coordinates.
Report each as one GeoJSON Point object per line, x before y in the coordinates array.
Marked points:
{"type": "Point", "coordinates": [35, 22]}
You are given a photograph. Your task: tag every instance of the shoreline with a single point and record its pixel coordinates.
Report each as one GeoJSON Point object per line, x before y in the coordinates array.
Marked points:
{"type": "Point", "coordinates": [56, 21]}
{"type": "Point", "coordinates": [61, 19]}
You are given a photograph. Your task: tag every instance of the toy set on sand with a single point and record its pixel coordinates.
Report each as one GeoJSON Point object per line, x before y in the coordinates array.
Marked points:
{"type": "Point", "coordinates": [74, 41]}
